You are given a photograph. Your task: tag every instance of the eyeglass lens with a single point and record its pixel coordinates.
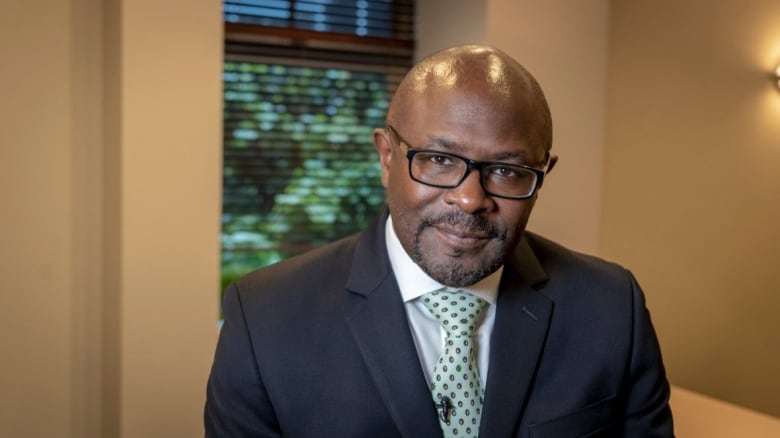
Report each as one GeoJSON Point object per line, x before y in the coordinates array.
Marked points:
{"type": "Point", "coordinates": [444, 170]}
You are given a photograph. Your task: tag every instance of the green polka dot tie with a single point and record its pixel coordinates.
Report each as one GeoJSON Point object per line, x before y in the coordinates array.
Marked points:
{"type": "Point", "coordinates": [455, 384]}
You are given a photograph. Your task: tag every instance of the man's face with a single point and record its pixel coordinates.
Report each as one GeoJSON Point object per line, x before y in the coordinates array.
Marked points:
{"type": "Point", "coordinates": [460, 235]}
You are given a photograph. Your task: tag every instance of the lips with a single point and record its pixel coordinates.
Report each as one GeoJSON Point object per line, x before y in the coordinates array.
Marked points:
{"type": "Point", "coordinates": [463, 233]}
{"type": "Point", "coordinates": [460, 238]}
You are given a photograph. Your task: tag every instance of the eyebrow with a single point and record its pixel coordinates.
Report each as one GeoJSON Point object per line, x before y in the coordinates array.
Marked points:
{"type": "Point", "coordinates": [520, 157]}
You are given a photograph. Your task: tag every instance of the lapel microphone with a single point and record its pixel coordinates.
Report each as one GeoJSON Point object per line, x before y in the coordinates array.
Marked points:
{"type": "Point", "coordinates": [444, 408]}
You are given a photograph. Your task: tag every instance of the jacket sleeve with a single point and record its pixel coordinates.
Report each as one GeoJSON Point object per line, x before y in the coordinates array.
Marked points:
{"type": "Point", "coordinates": [236, 401]}
{"type": "Point", "coordinates": [647, 412]}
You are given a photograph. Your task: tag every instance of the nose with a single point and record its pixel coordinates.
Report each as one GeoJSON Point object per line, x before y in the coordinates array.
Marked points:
{"type": "Point", "coordinates": [469, 196]}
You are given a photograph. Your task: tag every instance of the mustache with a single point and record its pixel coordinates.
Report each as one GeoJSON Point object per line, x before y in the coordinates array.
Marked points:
{"type": "Point", "coordinates": [465, 222]}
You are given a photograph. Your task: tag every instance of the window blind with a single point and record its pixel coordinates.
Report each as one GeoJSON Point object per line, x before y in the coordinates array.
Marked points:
{"type": "Point", "coordinates": [300, 105]}
{"type": "Point", "coordinates": [377, 18]}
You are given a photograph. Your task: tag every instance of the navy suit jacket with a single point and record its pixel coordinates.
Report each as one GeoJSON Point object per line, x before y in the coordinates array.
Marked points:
{"type": "Point", "coordinates": [320, 346]}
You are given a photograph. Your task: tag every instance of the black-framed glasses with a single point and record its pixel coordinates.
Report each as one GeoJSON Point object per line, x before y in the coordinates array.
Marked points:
{"type": "Point", "coordinates": [445, 170]}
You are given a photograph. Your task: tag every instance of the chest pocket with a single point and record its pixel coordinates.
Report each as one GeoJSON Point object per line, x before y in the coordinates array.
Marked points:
{"type": "Point", "coordinates": [596, 420]}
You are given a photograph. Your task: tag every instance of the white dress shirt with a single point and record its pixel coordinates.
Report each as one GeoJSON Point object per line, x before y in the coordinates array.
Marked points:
{"type": "Point", "coordinates": [428, 334]}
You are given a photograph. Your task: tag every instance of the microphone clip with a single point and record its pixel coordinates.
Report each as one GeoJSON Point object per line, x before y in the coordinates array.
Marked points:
{"type": "Point", "coordinates": [444, 407]}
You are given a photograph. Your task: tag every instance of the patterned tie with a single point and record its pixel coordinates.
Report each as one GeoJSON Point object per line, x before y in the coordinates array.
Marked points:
{"type": "Point", "coordinates": [455, 385]}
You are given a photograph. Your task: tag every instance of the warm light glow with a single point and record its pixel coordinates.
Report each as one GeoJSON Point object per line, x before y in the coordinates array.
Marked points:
{"type": "Point", "coordinates": [777, 76]}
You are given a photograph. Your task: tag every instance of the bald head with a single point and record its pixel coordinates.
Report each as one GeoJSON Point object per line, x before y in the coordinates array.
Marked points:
{"type": "Point", "coordinates": [485, 73]}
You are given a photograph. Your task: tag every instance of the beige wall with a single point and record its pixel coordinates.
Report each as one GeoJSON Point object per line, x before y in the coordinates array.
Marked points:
{"type": "Point", "coordinates": [443, 23]}
{"type": "Point", "coordinates": [692, 191]}
{"type": "Point", "coordinates": [110, 162]}
{"type": "Point", "coordinates": [170, 155]}
{"type": "Point", "coordinates": [36, 182]}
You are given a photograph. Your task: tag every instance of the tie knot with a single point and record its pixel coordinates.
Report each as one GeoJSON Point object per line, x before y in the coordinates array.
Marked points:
{"type": "Point", "coordinates": [456, 310]}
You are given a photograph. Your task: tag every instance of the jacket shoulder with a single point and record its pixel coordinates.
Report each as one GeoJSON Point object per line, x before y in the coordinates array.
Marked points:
{"type": "Point", "coordinates": [554, 256]}
{"type": "Point", "coordinates": [575, 275]}
{"type": "Point", "coordinates": [313, 270]}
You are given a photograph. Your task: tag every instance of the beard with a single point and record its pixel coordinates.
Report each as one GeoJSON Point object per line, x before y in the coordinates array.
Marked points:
{"type": "Point", "coordinates": [459, 270]}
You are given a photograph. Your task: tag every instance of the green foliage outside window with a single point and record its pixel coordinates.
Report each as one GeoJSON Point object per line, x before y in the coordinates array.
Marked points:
{"type": "Point", "coordinates": [300, 169]}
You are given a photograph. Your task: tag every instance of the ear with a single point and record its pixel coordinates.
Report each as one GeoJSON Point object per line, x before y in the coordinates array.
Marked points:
{"type": "Point", "coordinates": [384, 149]}
{"type": "Point", "coordinates": [552, 159]}
{"type": "Point", "coordinates": [549, 161]}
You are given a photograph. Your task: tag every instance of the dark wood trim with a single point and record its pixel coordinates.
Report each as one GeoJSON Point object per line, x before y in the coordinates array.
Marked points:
{"type": "Point", "coordinates": [240, 32]}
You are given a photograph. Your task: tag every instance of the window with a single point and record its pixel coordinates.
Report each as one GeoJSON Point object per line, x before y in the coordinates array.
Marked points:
{"type": "Point", "coordinates": [305, 83]}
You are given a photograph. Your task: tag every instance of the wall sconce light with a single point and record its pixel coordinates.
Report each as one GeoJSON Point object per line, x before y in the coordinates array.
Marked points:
{"type": "Point", "coordinates": [776, 77]}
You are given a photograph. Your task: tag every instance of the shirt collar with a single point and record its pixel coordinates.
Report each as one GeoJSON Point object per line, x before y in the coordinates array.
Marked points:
{"type": "Point", "coordinates": [414, 282]}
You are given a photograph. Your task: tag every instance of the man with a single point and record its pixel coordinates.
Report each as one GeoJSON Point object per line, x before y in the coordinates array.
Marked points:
{"type": "Point", "coordinates": [350, 340]}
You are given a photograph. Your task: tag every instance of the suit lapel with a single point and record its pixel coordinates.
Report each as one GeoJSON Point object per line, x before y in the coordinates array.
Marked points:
{"type": "Point", "coordinates": [522, 319]}
{"type": "Point", "coordinates": [376, 316]}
